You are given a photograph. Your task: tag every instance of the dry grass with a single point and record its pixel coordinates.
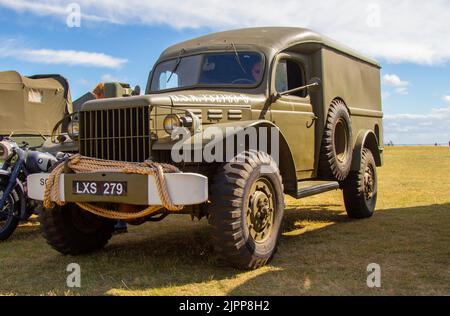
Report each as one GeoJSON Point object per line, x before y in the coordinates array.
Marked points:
{"type": "Point", "coordinates": [322, 251]}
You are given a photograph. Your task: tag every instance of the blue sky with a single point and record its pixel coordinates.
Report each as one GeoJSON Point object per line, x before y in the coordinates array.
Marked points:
{"type": "Point", "coordinates": [121, 41]}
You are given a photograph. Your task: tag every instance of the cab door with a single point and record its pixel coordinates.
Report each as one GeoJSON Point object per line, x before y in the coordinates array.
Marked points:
{"type": "Point", "coordinates": [293, 113]}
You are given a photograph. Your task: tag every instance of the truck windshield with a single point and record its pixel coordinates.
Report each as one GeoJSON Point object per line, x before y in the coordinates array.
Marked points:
{"type": "Point", "coordinates": [213, 69]}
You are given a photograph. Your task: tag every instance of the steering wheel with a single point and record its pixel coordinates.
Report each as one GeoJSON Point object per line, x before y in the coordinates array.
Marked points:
{"type": "Point", "coordinates": [243, 81]}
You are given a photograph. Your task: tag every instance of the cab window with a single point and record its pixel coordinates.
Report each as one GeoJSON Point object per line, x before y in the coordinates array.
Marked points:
{"type": "Point", "coordinates": [290, 75]}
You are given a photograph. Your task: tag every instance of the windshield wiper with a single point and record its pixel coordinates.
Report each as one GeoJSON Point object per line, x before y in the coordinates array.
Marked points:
{"type": "Point", "coordinates": [238, 59]}
{"type": "Point", "coordinates": [177, 64]}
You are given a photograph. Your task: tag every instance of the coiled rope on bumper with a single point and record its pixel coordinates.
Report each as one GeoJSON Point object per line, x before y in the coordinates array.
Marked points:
{"type": "Point", "coordinates": [80, 164]}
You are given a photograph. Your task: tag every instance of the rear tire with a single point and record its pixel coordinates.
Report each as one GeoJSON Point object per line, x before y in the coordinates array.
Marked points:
{"type": "Point", "coordinates": [246, 211]}
{"type": "Point", "coordinates": [336, 151]}
{"type": "Point", "coordinates": [73, 231]}
{"type": "Point", "coordinates": [361, 188]}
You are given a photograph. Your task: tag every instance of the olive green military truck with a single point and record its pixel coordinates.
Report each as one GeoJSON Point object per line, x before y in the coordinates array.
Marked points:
{"type": "Point", "coordinates": [247, 116]}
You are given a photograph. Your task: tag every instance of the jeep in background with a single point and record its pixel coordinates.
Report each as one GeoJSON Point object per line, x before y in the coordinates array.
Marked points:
{"type": "Point", "coordinates": [31, 105]}
{"type": "Point", "coordinates": [322, 98]}
{"type": "Point", "coordinates": [65, 132]}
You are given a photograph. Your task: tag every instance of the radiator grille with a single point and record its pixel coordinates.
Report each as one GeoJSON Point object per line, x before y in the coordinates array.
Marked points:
{"type": "Point", "coordinates": [116, 134]}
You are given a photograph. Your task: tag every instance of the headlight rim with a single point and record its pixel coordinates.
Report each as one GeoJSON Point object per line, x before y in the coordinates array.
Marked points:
{"type": "Point", "coordinates": [176, 118]}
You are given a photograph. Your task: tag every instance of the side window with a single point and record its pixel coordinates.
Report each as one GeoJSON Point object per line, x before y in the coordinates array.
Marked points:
{"type": "Point", "coordinates": [281, 77]}
{"type": "Point", "coordinates": [290, 75]}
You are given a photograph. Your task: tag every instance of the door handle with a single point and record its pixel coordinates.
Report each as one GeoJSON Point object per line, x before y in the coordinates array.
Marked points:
{"type": "Point", "coordinates": [312, 122]}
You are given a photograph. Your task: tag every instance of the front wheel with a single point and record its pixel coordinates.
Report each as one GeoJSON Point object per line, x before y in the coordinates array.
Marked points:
{"type": "Point", "coordinates": [73, 231]}
{"type": "Point", "coordinates": [246, 211]}
{"type": "Point", "coordinates": [361, 188]}
{"type": "Point", "coordinates": [9, 214]}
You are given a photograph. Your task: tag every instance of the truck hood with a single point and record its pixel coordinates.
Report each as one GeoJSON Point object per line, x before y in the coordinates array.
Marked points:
{"type": "Point", "coordinates": [188, 98]}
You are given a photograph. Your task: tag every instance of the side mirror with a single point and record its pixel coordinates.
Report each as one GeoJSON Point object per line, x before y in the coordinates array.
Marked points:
{"type": "Point", "coordinates": [136, 91]}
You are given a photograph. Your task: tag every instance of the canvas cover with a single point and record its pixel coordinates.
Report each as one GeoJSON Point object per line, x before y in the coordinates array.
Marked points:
{"type": "Point", "coordinates": [32, 105]}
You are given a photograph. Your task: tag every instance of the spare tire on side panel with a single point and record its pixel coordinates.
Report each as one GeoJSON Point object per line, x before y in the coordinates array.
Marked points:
{"type": "Point", "coordinates": [337, 144]}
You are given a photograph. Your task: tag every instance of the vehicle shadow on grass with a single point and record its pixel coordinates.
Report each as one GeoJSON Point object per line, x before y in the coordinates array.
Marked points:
{"type": "Point", "coordinates": [27, 230]}
{"type": "Point", "coordinates": [177, 258]}
{"type": "Point", "coordinates": [322, 251]}
{"type": "Point", "coordinates": [332, 260]}
{"type": "Point", "coordinates": [157, 256]}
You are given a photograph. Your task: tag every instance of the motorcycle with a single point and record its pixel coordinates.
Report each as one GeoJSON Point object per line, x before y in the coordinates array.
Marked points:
{"type": "Point", "coordinates": [19, 162]}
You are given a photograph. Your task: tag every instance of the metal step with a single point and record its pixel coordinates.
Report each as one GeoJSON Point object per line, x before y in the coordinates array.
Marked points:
{"type": "Point", "coordinates": [309, 188]}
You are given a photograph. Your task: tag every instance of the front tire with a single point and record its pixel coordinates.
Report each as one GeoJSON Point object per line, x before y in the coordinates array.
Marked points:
{"type": "Point", "coordinates": [73, 231]}
{"type": "Point", "coordinates": [361, 188]}
{"type": "Point", "coordinates": [246, 211]}
{"type": "Point", "coordinates": [9, 215]}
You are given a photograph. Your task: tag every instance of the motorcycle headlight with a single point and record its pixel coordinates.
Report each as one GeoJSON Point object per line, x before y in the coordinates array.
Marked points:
{"type": "Point", "coordinates": [74, 130]}
{"type": "Point", "coordinates": [5, 150]}
{"type": "Point", "coordinates": [171, 122]}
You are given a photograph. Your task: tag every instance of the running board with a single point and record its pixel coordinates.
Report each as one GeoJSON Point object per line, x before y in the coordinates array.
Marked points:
{"type": "Point", "coordinates": [309, 188]}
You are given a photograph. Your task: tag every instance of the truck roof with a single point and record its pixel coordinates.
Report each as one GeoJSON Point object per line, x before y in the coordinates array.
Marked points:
{"type": "Point", "coordinates": [270, 40]}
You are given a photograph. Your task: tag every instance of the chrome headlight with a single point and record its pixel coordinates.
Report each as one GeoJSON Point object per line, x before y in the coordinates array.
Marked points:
{"type": "Point", "coordinates": [171, 122]}
{"type": "Point", "coordinates": [73, 129]}
{"type": "Point", "coordinates": [189, 121]}
{"type": "Point", "coordinates": [5, 150]}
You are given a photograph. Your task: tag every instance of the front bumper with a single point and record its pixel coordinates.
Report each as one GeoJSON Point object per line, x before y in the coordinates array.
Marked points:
{"type": "Point", "coordinates": [183, 188]}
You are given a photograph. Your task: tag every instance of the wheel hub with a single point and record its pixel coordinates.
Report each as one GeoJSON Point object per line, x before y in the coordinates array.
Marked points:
{"type": "Point", "coordinates": [340, 141]}
{"type": "Point", "coordinates": [260, 210]}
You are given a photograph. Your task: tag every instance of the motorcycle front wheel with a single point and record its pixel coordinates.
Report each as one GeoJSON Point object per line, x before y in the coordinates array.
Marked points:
{"type": "Point", "coordinates": [9, 214]}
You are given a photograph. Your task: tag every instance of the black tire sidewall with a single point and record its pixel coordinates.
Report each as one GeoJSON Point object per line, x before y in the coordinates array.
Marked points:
{"type": "Point", "coordinates": [330, 167]}
{"type": "Point", "coordinates": [65, 236]}
{"type": "Point", "coordinates": [355, 202]}
{"type": "Point", "coordinates": [368, 160]}
{"type": "Point", "coordinates": [11, 221]}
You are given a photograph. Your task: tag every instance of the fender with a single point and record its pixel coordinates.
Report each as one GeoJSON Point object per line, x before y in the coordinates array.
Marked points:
{"type": "Point", "coordinates": [20, 192]}
{"type": "Point", "coordinates": [366, 139]}
{"type": "Point", "coordinates": [286, 161]}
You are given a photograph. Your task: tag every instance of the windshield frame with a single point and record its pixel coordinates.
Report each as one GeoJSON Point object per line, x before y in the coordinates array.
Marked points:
{"type": "Point", "coordinates": [208, 86]}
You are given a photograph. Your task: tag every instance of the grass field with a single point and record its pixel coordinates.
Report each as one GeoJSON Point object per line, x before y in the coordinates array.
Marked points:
{"type": "Point", "coordinates": [322, 252]}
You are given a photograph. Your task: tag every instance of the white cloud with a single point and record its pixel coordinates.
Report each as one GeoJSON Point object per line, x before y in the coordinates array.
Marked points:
{"type": "Point", "coordinates": [13, 49]}
{"type": "Point", "coordinates": [109, 78]}
{"type": "Point", "coordinates": [73, 58]}
{"type": "Point", "coordinates": [446, 98]}
{"type": "Point", "coordinates": [429, 128]}
{"type": "Point", "coordinates": [48, 7]}
{"type": "Point", "coordinates": [398, 31]}
{"type": "Point", "coordinates": [394, 81]}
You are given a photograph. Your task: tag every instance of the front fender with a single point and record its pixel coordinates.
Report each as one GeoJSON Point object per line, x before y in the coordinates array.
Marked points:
{"type": "Point", "coordinates": [218, 133]}
{"type": "Point", "coordinates": [227, 129]}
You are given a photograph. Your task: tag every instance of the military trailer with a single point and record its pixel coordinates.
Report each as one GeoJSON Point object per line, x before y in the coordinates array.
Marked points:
{"type": "Point", "coordinates": [313, 105]}
{"type": "Point", "coordinates": [30, 106]}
